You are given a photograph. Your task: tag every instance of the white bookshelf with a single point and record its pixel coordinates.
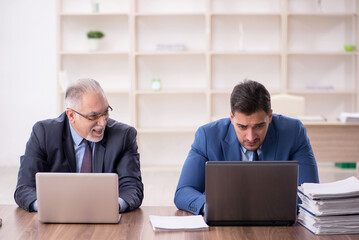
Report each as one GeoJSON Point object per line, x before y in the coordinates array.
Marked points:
{"type": "Point", "coordinates": [200, 50]}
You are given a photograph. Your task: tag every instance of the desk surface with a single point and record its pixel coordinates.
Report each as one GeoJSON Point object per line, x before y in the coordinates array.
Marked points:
{"type": "Point", "coordinates": [19, 224]}
{"type": "Point", "coordinates": [330, 122]}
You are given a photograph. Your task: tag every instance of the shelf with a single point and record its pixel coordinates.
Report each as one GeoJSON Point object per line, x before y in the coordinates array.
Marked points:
{"type": "Point", "coordinates": [108, 90]}
{"type": "Point", "coordinates": [167, 130]}
{"type": "Point", "coordinates": [247, 14]}
{"type": "Point", "coordinates": [168, 14]}
{"type": "Point", "coordinates": [246, 33]}
{"type": "Point", "coordinates": [115, 90]}
{"type": "Point", "coordinates": [321, 14]}
{"type": "Point", "coordinates": [200, 50]}
{"type": "Point", "coordinates": [169, 53]}
{"type": "Point", "coordinates": [92, 14]}
{"type": "Point", "coordinates": [317, 104]}
{"type": "Point", "coordinates": [240, 6]}
{"type": "Point", "coordinates": [244, 53]}
{"type": "Point", "coordinates": [120, 104]}
{"type": "Point", "coordinates": [318, 53]}
{"type": "Point", "coordinates": [181, 72]}
{"type": "Point", "coordinates": [171, 92]}
{"type": "Point", "coordinates": [229, 91]}
{"type": "Point", "coordinates": [323, 71]}
{"type": "Point", "coordinates": [111, 70]}
{"type": "Point", "coordinates": [322, 34]}
{"type": "Point", "coordinates": [323, 92]}
{"type": "Point", "coordinates": [171, 111]}
{"type": "Point", "coordinates": [164, 148]}
{"type": "Point", "coordinates": [188, 32]}
{"type": "Point", "coordinates": [228, 70]}
{"type": "Point", "coordinates": [86, 7]}
{"type": "Point", "coordinates": [170, 7]}
{"type": "Point", "coordinates": [221, 91]}
{"type": "Point", "coordinates": [326, 7]}
{"type": "Point", "coordinates": [93, 53]}
{"type": "Point", "coordinates": [220, 105]}
{"type": "Point", "coordinates": [74, 33]}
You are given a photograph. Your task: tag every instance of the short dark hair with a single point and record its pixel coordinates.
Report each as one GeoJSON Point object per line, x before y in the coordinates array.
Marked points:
{"type": "Point", "coordinates": [250, 96]}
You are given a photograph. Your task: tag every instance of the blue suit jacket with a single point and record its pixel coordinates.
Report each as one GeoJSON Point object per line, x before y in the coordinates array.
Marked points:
{"type": "Point", "coordinates": [50, 149]}
{"type": "Point", "coordinates": [286, 139]}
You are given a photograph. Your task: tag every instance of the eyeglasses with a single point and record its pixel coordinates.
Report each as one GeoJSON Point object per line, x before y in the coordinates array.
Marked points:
{"type": "Point", "coordinates": [94, 117]}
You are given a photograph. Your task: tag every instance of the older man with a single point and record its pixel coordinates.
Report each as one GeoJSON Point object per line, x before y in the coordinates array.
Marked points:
{"type": "Point", "coordinates": [82, 139]}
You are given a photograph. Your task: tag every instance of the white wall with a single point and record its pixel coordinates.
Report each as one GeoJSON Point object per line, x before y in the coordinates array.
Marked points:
{"type": "Point", "coordinates": [27, 72]}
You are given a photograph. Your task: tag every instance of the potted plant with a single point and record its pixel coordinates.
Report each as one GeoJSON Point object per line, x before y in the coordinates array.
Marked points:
{"type": "Point", "coordinates": [94, 37]}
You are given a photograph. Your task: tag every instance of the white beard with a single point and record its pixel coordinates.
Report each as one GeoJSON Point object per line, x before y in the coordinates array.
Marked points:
{"type": "Point", "coordinates": [98, 137]}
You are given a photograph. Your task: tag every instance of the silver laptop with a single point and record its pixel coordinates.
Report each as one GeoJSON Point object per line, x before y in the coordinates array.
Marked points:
{"type": "Point", "coordinates": [251, 193]}
{"type": "Point", "coordinates": [77, 197]}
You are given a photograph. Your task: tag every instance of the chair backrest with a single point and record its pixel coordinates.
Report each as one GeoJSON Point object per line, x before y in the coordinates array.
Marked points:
{"type": "Point", "coordinates": [288, 105]}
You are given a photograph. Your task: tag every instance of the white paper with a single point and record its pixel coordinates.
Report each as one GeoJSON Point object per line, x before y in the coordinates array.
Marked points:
{"type": "Point", "coordinates": [312, 118]}
{"type": "Point", "coordinates": [330, 208]}
{"type": "Point", "coordinates": [348, 224]}
{"type": "Point", "coordinates": [178, 223]}
{"type": "Point", "coordinates": [327, 207]}
{"type": "Point", "coordinates": [344, 188]}
{"type": "Point", "coordinates": [349, 117]}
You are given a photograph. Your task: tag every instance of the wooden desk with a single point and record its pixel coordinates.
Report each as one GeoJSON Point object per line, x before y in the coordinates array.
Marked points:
{"type": "Point", "coordinates": [19, 224]}
{"type": "Point", "coordinates": [333, 141]}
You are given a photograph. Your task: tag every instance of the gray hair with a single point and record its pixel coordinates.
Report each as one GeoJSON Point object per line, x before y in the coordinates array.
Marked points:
{"type": "Point", "coordinates": [74, 92]}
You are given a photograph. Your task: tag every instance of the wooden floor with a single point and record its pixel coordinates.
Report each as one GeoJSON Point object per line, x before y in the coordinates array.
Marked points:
{"type": "Point", "coordinates": [160, 182]}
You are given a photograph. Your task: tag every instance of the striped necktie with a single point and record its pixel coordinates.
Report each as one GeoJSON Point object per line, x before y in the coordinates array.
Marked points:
{"type": "Point", "coordinates": [86, 166]}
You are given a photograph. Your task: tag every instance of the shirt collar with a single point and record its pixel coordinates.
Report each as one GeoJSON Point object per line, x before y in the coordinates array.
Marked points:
{"type": "Point", "coordinates": [75, 136]}
{"type": "Point", "coordinates": [259, 150]}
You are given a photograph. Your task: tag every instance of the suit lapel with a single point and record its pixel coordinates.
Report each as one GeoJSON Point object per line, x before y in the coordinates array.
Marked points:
{"type": "Point", "coordinates": [231, 146]}
{"type": "Point", "coordinates": [99, 156]}
{"type": "Point", "coordinates": [269, 149]}
{"type": "Point", "coordinates": [68, 146]}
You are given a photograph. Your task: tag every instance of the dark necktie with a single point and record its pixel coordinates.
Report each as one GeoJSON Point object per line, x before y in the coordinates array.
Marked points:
{"type": "Point", "coordinates": [255, 156]}
{"type": "Point", "coordinates": [86, 166]}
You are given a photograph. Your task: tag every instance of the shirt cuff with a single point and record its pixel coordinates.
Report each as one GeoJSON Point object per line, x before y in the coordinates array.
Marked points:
{"type": "Point", "coordinates": [123, 204]}
{"type": "Point", "coordinates": [34, 206]}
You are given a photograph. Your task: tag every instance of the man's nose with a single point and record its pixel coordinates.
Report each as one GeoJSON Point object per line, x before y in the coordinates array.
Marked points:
{"type": "Point", "coordinates": [102, 121]}
{"type": "Point", "coordinates": [250, 134]}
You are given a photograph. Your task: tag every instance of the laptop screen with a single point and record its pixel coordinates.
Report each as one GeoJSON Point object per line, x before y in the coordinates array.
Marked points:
{"type": "Point", "coordinates": [77, 197]}
{"type": "Point", "coordinates": [251, 193]}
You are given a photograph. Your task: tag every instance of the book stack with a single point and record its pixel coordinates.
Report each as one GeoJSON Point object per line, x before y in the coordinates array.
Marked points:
{"type": "Point", "coordinates": [349, 117]}
{"type": "Point", "coordinates": [330, 208]}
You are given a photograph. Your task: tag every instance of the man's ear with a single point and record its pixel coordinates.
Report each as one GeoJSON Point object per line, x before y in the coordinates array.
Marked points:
{"type": "Point", "coordinates": [270, 116]}
{"type": "Point", "coordinates": [71, 115]}
{"type": "Point", "coordinates": [231, 116]}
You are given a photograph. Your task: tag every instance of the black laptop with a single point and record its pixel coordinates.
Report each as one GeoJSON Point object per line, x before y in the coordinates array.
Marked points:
{"type": "Point", "coordinates": [251, 193]}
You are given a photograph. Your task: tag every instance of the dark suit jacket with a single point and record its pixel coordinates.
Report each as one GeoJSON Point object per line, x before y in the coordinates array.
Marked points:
{"type": "Point", "coordinates": [50, 149]}
{"type": "Point", "coordinates": [286, 139]}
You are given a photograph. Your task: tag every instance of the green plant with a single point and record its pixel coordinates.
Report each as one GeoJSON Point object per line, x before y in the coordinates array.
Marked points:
{"type": "Point", "coordinates": [95, 34]}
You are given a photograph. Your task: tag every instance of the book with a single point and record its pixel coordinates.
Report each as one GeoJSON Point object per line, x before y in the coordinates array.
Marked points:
{"type": "Point", "coordinates": [178, 223]}
{"type": "Point", "coordinates": [349, 117]}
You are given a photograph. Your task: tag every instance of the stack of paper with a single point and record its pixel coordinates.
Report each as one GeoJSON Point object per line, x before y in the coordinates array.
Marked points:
{"type": "Point", "coordinates": [330, 208]}
{"type": "Point", "coordinates": [349, 117]}
{"type": "Point", "coordinates": [178, 223]}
